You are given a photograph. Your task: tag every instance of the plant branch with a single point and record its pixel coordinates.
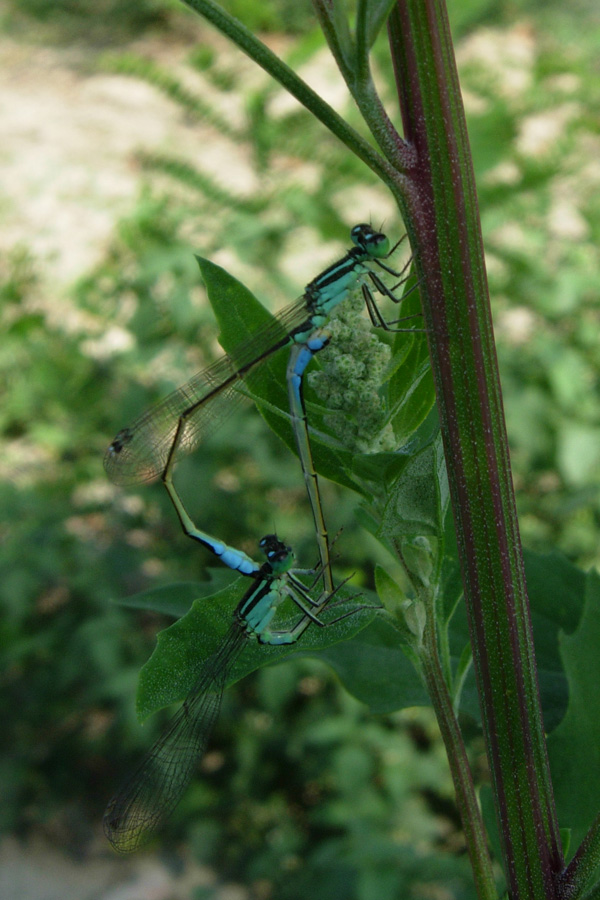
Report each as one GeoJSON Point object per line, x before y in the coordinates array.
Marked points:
{"type": "Point", "coordinates": [260, 53]}
{"type": "Point", "coordinates": [352, 58]}
{"type": "Point", "coordinates": [335, 28]}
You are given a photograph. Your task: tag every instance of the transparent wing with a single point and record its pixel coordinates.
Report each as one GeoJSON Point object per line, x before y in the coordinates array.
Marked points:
{"type": "Point", "coordinates": [139, 453]}
{"type": "Point", "coordinates": [151, 794]}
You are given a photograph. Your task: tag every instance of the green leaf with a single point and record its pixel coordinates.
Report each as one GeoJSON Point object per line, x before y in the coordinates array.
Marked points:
{"type": "Point", "coordinates": [416, 503]}
{"type": "Point", "coordinates": [556, 591]}
{"type": "Point", "coordinates": [176, 599]}
{"type": "Point", "coordinates": [556, 595]}
{"type": "Point", "coordinates": [411, 393]}
{"type": "Point", "coordinates": [415, 401]}
{"type": "Point", "coordinates": [239, 315]}
{"type": "Point", "coordinates": [389, 591]}
{"type": "Point", "coordinates": [182, 648]}
{"type": "Point", "coordinates": [574, 747]}
{"type": "Point", "coordinates": [375, 668]}
{"type": "Point", "coordinates": [382, 468]}
{"type": "Point", "coordinates": [340, 28]}
{"type": "Point", "coordinates": [407, 614]}
{"type": "Point", "coordinates": [408, 513]}
{"type": "Point", "coordinates": [377, 13]}
{"type": "Point", "coordinates": [565, 838]}
{"type": "Point", "coordinates": [451, 576]}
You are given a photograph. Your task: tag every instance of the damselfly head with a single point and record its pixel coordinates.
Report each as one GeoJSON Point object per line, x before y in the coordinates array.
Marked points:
{"type": "Point", "coordinates": [275, 550]}
{"type": "Point", "coordinates": [121, 440]}
{"type": "Point", "coordinates": [373, 243]}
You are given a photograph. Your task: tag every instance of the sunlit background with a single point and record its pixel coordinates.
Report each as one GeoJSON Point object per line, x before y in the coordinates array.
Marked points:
{"type": "Point", "coordinates": [133, 136]}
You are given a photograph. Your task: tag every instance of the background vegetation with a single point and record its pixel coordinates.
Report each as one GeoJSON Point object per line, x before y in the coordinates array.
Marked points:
{"type": "Point", "coordinates": [303, 790]}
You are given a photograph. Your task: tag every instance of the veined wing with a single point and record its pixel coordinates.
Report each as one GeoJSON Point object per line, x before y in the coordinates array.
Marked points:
{"type": "Point", "coordinates": [139, 453]}
{"type": "Point", "coordinates": [148, 798]}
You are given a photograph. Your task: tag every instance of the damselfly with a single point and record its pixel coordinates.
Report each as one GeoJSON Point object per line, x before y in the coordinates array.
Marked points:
{"type": "Point", "coordinates": [176, 425]}
{"type": "Point", "coordinates": [144, 802]}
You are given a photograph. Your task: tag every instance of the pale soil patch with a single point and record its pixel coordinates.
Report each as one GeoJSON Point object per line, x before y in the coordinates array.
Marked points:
{"type": "Point", "coordinates": [69, 137]}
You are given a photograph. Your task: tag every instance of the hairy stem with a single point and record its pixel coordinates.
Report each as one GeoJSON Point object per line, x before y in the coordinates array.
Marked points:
{"type": "Point", "coordinates": [443, 222]}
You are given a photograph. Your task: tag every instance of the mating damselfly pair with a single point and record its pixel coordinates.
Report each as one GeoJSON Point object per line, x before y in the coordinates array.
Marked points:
{"type": "Point", "coordinates": [150, 448]}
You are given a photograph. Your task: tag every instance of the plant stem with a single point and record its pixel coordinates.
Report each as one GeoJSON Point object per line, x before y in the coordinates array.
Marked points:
{"type": "Point", "coordinates": [352, 58]}
{"type": "Point", "coordinates": [443, 223]}
{"type": "Point", "coordinates": [583, 865]}
{"type": "Point", "coordinates": [468, 807]}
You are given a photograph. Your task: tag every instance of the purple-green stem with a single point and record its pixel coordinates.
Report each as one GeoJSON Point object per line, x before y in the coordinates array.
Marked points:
{"type": "Point", "coordinates": [441, 214]}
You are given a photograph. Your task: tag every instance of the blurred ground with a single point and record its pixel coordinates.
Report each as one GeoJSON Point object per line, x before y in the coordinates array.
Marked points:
{"type": "Point", "coordinates": [69, 136]}
{"type": "Point", "coordinates": [37, 871]}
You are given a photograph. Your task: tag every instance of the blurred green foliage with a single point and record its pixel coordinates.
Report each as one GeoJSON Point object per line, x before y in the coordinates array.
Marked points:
{"type": "Point", "coordinates": [303, 791]}
{"type": "Point", "coordinates": [90, 21]}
